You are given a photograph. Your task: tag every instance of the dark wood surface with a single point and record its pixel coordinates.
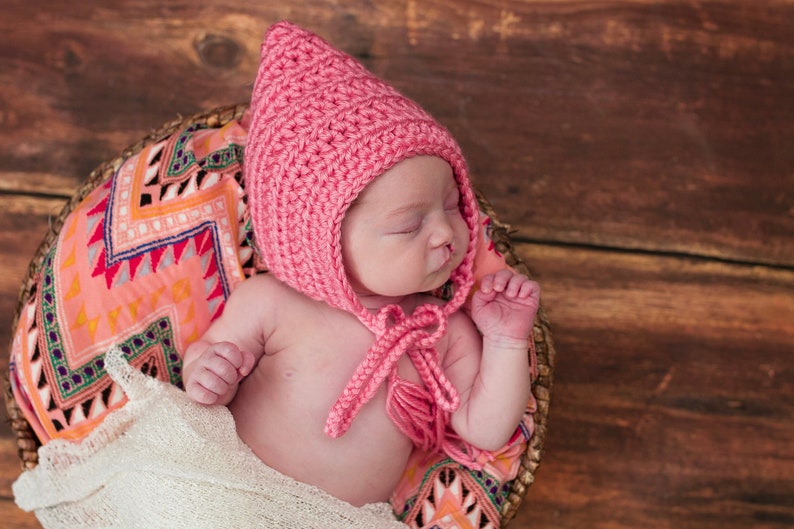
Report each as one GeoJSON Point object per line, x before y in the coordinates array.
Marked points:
{"type": "Point", "coordinates": [643, 150]}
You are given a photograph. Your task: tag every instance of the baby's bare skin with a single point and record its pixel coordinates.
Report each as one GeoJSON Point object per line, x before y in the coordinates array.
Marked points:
{"type": "Point", "coordinates": [280, 360]}
{"type": "Point", "coordinates": [281, 407]}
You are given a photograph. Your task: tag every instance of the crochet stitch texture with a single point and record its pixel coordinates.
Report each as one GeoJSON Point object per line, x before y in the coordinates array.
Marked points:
{"type": "Point", "coordinates": [322, 128]}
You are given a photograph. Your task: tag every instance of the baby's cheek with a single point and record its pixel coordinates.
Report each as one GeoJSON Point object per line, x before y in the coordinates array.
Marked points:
{"type": "Point", "coordinates": [462, 231]}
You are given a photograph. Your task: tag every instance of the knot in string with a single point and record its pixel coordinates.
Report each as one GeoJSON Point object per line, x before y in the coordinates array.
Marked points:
{"type": "Point", "coordinates": [396, 335]}
{"type": "Point", "coordinates": [426, 424]}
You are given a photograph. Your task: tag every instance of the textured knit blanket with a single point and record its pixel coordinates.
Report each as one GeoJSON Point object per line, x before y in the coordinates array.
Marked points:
{"type": "Point", "coordinates": [164, 462]}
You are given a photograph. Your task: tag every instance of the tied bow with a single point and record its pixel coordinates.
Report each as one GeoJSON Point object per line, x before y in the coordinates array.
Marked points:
{"type": "Point", "coordinates": [421, 413]}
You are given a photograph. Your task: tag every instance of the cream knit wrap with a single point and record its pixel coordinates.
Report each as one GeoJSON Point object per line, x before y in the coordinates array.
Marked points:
{"type": "Point", "coordinates": [164, 462]}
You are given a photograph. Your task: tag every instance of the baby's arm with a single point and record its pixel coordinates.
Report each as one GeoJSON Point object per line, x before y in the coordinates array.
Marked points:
{"type": "Point", "coordinates": [214, 365]}
{"type": "Point", "coordinates": [492, 373]}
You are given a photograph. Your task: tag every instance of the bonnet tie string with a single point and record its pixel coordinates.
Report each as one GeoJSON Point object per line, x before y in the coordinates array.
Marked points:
{"type": "Point", "coordinates": [400, 334]}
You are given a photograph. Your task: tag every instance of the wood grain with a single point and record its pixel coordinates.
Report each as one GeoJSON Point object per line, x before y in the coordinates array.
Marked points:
{"type": "Point", "coordinates": [674, 393]}
{"type": "Point", "coordinates": [620, 124]}
{"type": "Point", "coordinates": [643, 150]}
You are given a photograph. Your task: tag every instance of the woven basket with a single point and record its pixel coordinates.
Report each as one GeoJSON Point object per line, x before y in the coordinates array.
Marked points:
{"type": "Point", "coordinates": [26, 440]}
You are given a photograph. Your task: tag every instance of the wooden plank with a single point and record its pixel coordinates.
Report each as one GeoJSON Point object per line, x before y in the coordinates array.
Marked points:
{"type": "Point", "coordinates": [23, 224]}
{"type": "Point", "coordinates": [11, 515]}
{"type": "Point", "coordinates": [673, 403]}
{"type": "Point", "coordinates": [663, 126]}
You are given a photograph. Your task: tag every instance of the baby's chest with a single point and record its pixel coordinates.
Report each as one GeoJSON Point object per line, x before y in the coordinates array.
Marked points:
{"type": "Point", "coordinates": [325, 357]}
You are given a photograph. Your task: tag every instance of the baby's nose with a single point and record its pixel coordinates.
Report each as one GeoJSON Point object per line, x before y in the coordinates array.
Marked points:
{"type": "Point", "coordinates": [442, 235]}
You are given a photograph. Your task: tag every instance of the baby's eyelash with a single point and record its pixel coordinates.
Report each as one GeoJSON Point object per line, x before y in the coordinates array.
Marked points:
{"type": "Point", "coordinates": [409, 231]}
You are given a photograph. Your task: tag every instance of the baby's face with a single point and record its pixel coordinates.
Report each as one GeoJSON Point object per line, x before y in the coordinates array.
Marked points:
{"type": "Point", "coordinates": [405, 233]}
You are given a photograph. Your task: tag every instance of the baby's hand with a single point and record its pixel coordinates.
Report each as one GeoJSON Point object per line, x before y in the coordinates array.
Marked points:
{"type": "Point", "coordinates": [216, 372]}
{"type": "Point", "coordinates": [505, 305]}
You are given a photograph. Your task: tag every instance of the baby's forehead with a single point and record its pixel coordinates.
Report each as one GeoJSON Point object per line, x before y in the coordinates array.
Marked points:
{"type": "Point", "coordinates": [419, 174]}
{"type": "Point", "coordinates": [396, 201]}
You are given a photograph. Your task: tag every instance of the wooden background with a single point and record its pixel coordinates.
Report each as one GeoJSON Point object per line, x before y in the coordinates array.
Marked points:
{"type": "Point", "coordinates": [644, 151]}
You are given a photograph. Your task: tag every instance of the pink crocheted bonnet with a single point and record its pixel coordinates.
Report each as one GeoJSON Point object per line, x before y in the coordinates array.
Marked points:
{"type": "Point", "coordinates": [322, 128]}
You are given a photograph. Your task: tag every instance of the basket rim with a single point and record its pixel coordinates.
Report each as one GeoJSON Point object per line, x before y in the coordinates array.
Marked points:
{"type": "Point", "coordinates": [27, 442]}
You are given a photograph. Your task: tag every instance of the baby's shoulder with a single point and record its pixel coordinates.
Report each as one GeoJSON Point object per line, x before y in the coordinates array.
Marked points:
{"type": "Point", "coordinates": [255, 286]}
{"type": "Point", "coordinates": [460, 323]}
{"type": "Point", "coordinates": [265, 292]}
{"type": "Point", "coordinates": [259, 291]}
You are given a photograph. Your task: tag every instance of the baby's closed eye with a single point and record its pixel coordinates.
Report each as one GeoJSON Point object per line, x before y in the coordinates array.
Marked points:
{"type": "Point", "coordinates": [408, 226]}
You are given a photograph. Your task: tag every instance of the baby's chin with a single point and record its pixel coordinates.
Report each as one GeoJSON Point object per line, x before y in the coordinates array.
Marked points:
{"type": "Point", "coordinates": [440, 277]}
{"type": "Point", "coordinates": [436, 284]}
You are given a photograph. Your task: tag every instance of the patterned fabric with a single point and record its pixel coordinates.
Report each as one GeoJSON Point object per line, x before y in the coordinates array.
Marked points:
{"type": "Point", "coordinates": [145, 262]}
{"type": "Point", "coordinates": [437, 492]}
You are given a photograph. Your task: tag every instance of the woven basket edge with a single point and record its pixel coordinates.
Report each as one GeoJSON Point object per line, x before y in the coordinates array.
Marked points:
{"type": "Point", "coordinates": [27, 443]}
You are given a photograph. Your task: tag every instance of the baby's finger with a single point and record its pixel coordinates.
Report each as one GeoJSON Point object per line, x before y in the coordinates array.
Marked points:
{"type": "Point", "coordinates": [529, 289]}
{"type": "Point", "coordinates": [486, 284]}
{"type": "Point", "coordinates": [248, 363]}
{"type": "Point", "coordinates": [228, 351]}
{"type": "Point", "coordinates": [198, 393]}
{"type": "Point", "coordinates": [502, 279]}
{"type": "Point", "coordinates": [223, 369]}
{"type": "Point", "coordinates": [513, 289]}
{"type": "Point", "coordinates": [212, 383]}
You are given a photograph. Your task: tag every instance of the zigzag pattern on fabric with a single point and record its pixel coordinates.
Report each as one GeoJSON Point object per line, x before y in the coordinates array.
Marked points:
{"type": "Point", "coordinates": [144, 262]}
